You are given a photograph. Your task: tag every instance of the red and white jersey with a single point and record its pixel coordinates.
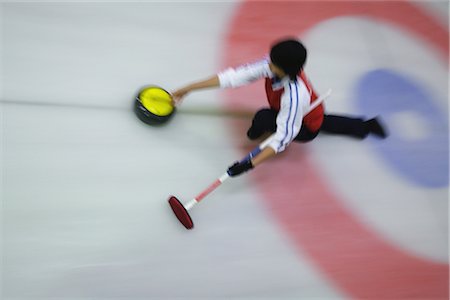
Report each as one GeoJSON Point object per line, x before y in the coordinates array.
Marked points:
{"type": "Point", "coordinates": [290, 98]}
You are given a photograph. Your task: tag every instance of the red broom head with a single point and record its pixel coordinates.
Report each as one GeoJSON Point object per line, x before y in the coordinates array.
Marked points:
{"type": "Point", "coordinates": [180, 212]}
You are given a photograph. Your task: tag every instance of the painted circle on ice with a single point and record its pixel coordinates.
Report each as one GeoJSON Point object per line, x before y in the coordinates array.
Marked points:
{"type": "Point", "coordinates": [423, 127]}
{"type": "Point", "coordinates": [406, 214]}
{"type": "Point", "coordinates": [358, 260]}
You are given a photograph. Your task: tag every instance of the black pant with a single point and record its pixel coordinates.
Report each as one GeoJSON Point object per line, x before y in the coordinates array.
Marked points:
{"type": "Point", "coordinates": [265, 121]}
{"type": "Point", "coordinates": [345, 125]}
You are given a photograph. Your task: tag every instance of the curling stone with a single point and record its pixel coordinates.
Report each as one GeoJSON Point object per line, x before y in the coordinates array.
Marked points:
{"type": "Point", "coordinates": [153, 105]}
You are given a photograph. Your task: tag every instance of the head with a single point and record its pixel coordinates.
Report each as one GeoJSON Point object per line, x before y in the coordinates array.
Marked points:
{"type": "Point", "coordinates": [287, 58]}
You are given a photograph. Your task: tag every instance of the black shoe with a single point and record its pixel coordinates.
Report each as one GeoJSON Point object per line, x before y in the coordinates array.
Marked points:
{"type": "Point", "coordinates": [254, 134]}
{"type": "Point", "coordinates": [374, 127]}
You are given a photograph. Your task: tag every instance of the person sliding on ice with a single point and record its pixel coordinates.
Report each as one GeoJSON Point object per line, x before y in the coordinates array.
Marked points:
{"type": "Point", "coordinates": [289, 94]}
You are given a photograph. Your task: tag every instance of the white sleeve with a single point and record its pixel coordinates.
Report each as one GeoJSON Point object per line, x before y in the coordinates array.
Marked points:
{"type": "Point", "coordinates": [244, 74]}
{"type": "Point", "coordinates": [290, 116]}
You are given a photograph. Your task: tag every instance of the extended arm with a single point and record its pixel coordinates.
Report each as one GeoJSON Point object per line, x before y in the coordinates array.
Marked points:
{"type": "Point", "coordinates": [229, 78]}
{"type": "Point", "coordinates": [265, 154]}
{"type": "Point", "coordinates": [211, 82]}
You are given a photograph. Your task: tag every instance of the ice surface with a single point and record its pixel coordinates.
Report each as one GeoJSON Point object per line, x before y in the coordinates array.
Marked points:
{"type": "Point", "coordinates": [85, 184]}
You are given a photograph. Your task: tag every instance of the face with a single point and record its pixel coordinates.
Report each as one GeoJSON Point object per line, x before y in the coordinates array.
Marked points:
{"type": "Point", "coordinates": [276, 70]}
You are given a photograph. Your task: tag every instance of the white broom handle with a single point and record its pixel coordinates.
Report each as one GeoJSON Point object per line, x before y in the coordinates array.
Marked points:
{"type": "Point", "coordinates": [219, 181]}
{"type": "Point", "coordinates": [318, 101]}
